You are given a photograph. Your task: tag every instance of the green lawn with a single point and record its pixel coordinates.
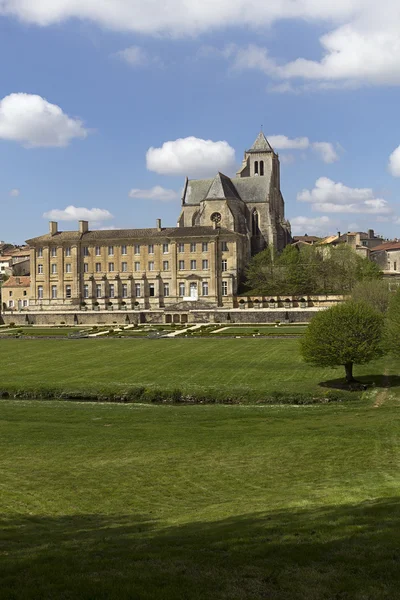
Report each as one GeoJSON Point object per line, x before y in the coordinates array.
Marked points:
{"type": "Point", "coordinates": [263, 330]}
{"type": "Point", "coordinates": [241, 365]}
{"type": "Point", "coordinates": [102, 501]}
{"type": "Point", "coordinates": [45, 331]}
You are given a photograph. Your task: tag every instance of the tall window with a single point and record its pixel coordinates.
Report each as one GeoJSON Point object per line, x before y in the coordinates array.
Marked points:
{"type": "Point", "coordinates": [151, 290]}
{"type": "Point", "coordinates": [68, 291]}
{"type": "Point", "coordinates": [261, 168]}
{"type": "Point", "coordinates": [112, 290]}
{"type": "Point", "coordinates": [124, 267]}
{"type": "Point", "coordinates": [151, 249]}
{"type": "Point", "coordinates": [85, 268]}
{"type": "Point", "coordinates": [68, 268]}
{"type": "Point", "coordinates": [193, 265]}
{"type": "Point", "coordinates": [255, 223]}
{"type": "Point", "coordinates": [124, 290]}
{"type": "Point", "coordinates": [204, 288]}
{"type": "Point", "coordinates": [137, 248]}
{"type": "Point", "coordinates": [181, 247]}
{"type": "Point", "coordinates": [86, 291]}
{"type": "Point", "coordinates": [165, 265]}
{"type": "Point", "coordinates": [53, 269]}
{"type": "Point", "coordinates": [256, 167]}
{"type": "Point", "coordinates": [40, 252]}
{"type": "Point", "coordinates": [98, 267]}
{"type": "Point", "coordinates": [224, 246]}
{"type": "Point", "coordinates": [181, 265]}
{"type": "Point", "coordinates": [181, 289]}
{"type": "Point", "coordinates": [53, 251]}
{"type": "Point", "coordinates": [193, 247]}
{"type": "Point", "coordinates": [53, 292]}
{"type": "Point", "coordinates": [205, 265]}
{"type": "Point", "coordinates": [137, 266]}
{"type": "Point", "coordinates": [151, 266]}
{"type": "Point", "coordinates": [98, 251]}
{"type": "Point", "coordinates": [165, 248]}
{"type": "Point", "coordinates": [98, 290]}
{"type": "Point", "coordinates": [395, 266]}
{"type": "Point", "coordinates": [85, 251]}
{"type": "Point", "coordinates": [40, 269]}
{"type": "Point", "coordinates": [124, 250]}
{"type": "Point", "coordinates": [224, 265]}
{"type": "Point", "coordinates": [40, 292]}
{"type": "Point", "coordinates": [110, 250]}
{"type": "Point", "coordinates": [11, 304]}
{"type": "Point", "coordinates": [138, 291]}
{"type": "Point", "coordinates": [166, 290]}
{"type": "Point", "coordinates": [224, 288]}
{"type": "Point", "coordinates": [110, 267]}
{"type": "Point", "coordinates": [204, 247]}
{"type": "Point", "coordinates": [68, 251]}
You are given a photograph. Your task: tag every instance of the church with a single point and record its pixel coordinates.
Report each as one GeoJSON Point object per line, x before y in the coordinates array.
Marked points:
{"type": "Point", "coordinates": [201, 262]}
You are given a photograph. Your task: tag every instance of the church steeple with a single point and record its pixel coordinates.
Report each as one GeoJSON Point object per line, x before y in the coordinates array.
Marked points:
{"type": "Point", "coordinates": [261, 144]}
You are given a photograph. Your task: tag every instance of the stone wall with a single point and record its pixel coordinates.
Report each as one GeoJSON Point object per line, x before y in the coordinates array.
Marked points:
{"type": "Point", "coordinates": [159, 317]}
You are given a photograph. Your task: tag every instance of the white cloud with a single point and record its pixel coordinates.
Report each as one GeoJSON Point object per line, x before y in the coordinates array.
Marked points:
{"type": "Point", "coordinates": [191, 156]}
{"type": "Point", "coordinates": [287, 159]}
{"type": "Point", "coordinates": [328, 196]}
{"type": "Point", "coordinates": [362, 43]}
{"type": "Point", "coordinates": [14, 193]}
{"type": "Point", "coordinates": [137, 57]}
{"type": "Point", "coordinates": [34, 122]}
{"type": "Point", "coordinates": [282, 142]}
{"type": "Point", "coordinates": [73, 213]}
{"type": "Point", "coordinates": [319, 226]}
{"type": "Point", "coordinates": [394, 162]}
{"type": "Point", "coordinates": [155, 193]}
{"type": "Point", "coordinates": [326, 151]}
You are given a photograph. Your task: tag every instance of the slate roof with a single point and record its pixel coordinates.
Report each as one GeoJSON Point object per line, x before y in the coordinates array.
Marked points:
{"type": "Point", "coordinates": [248, 189]}
{"type": "Point", "coordinates": [261, 144]}
{"type": "Point", "coordinates": [18, 281]}
{"type": "Point", "coordinates": [134, 234]}
{"type": "Point", "coordinates": [222, 188]}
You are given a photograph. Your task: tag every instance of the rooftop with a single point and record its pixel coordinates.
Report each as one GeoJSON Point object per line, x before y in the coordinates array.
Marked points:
{"type": "Point", "coordinates": [21, 281]}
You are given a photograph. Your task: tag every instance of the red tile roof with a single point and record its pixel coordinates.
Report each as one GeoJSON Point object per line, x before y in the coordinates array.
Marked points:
{"type": "Point", "coordinates": [15, 281]}
{"type": "Point", "coordinates": [386, 246]}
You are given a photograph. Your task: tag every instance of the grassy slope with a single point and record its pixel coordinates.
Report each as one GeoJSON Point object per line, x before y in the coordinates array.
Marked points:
{"type": "Point", "coordinates": [178, 503]}
{"type": "Point", "coordinates": [190, 364]}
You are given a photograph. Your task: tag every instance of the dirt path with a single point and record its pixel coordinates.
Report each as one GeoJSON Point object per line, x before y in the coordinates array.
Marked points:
{"type": "Point", "coordinates": [383, 394]}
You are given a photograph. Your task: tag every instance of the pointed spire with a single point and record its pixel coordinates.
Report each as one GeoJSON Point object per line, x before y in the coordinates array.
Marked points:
{"type": "Point", "coordinates": [221, 187]}
{"type": "Point", "coordinates": [261, 144]}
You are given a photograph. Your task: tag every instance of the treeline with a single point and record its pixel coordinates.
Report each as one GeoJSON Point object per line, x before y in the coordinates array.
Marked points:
{"type": "Point", "coordinates": [309, 270]}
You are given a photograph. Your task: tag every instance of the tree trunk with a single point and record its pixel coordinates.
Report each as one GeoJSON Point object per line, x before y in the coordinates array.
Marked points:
{"type": "Point", "coordinates": [349, 372]}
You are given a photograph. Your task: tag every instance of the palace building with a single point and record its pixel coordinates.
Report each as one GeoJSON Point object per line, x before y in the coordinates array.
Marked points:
{"type": "Point", "coordinates": [223, 222]}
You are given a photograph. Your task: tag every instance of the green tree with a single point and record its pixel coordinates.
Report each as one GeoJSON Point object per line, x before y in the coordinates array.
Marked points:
{"type": "Point", "coordinates": [392, 332]}
{"type": "Point", "coordinates": [344, 335]}
{"type": "Point", "coordinates": [260, 273]}
{"type": "Point", "coordinates": [374, 292]}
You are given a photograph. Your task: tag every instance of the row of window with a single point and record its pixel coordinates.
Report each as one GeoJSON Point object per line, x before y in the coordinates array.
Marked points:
{"type": "Point", "coordinates": [137, 248]}
{"type": "Point", "coordinates": [24, 303]}
{"type": "Point", "coordinates": [137, 266]}
{"type": "Point", "coordinates": [124, 290]}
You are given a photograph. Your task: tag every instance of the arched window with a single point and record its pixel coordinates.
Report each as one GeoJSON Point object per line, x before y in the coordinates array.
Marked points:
{"type": "Point", "coordinates": [256, 167]}
{"type": "Point", "coordinates": [255, 223]}
{"type": "Point", "coordinates": [261, 168]}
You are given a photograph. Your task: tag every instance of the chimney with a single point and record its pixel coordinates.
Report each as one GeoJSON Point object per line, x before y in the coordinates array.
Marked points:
{"type": "Point", "coordinates": [83, 226]}
{"type": "Point", "coordinates": [338, 234]}
{"type": "Point", "coordinates": [158, 224]}
{"type": "Point", "coordinates": [53, 227]}
{"type": "Point", "coordinates": [371, 234]}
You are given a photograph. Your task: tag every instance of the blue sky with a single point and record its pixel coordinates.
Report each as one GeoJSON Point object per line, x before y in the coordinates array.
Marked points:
{"type": "Point", "coordinates": [85, 92]}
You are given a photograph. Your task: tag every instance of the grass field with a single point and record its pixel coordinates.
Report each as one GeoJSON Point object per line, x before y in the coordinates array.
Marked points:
{"type": "Point", "coordinates": [103, 502]}
{"type": "Point", "coordinates": [263, 330]}
{"type": "Point", "coordinates": [250, 365]}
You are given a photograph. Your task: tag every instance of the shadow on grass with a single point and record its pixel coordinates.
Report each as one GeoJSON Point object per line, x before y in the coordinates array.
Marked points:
{"type": "Point", "coordinates": [336, 553]}
{"type": "Point", "coordinates": [386, 381]}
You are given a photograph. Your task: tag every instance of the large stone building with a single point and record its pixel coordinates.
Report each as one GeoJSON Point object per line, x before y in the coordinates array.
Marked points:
{"type": "Point", "coordinates": [223, 222]}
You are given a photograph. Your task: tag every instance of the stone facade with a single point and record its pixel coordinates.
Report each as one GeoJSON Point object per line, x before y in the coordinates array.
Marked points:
{"type": "Point", "coordinates": [15, 293]}
{"type": "Point", "coordinates": [222, 224]}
